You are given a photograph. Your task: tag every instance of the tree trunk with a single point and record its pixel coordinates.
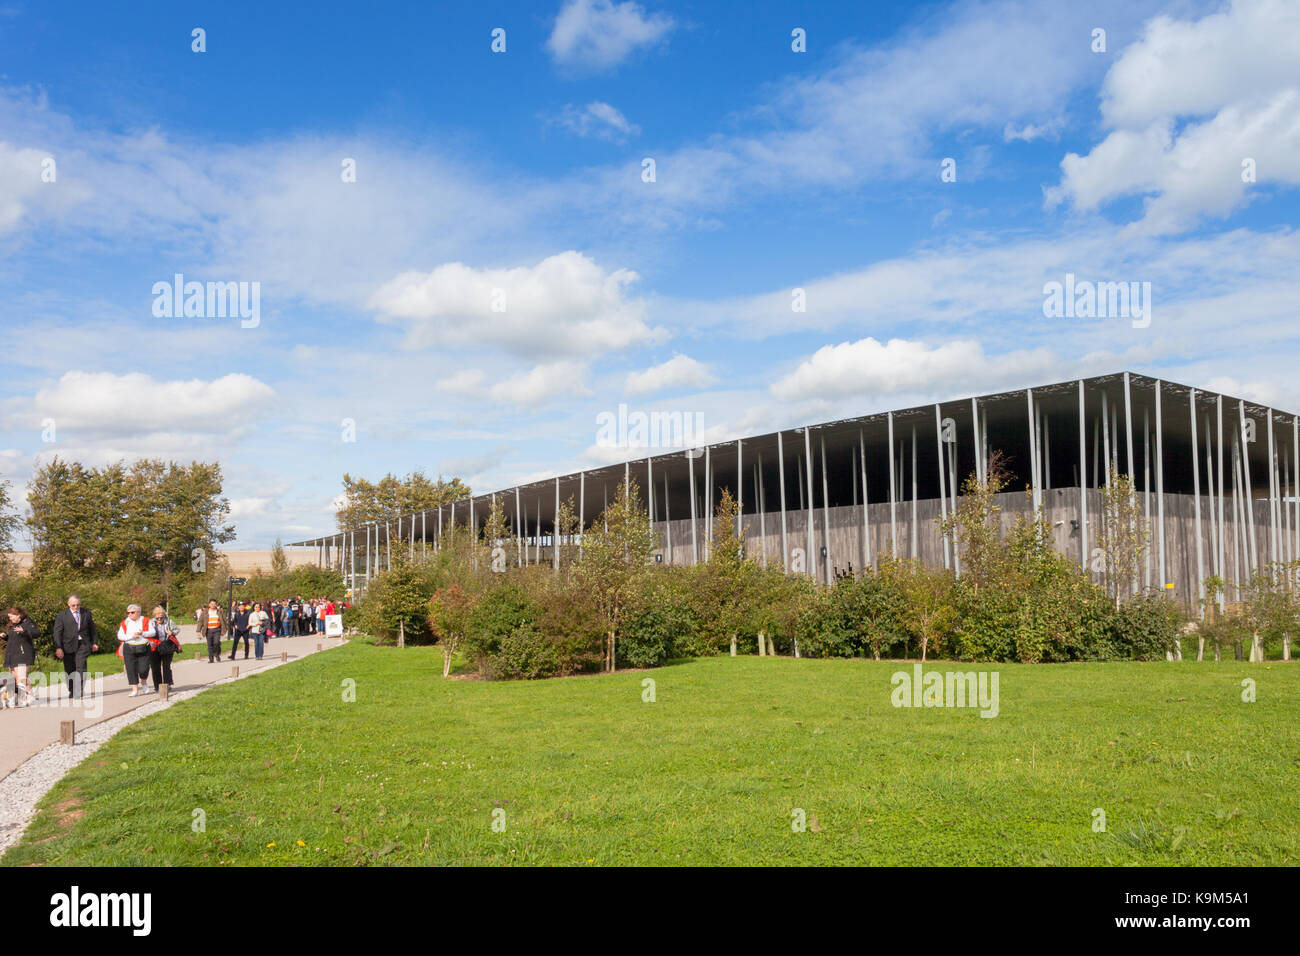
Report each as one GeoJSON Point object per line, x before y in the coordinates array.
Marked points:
{"type": "Point", "coordinates": [1200, 648]}
{"type": "Point", "coordinates": [733, 645]}
{"type": "Point", "coordinates": [771, 647]}
{"type": "Point", "coordinates": [401, 633]}
{"type": "Point", "coordinates": [762, 644]}
{"type": "Point", "coordinates": [1286, 647]}
{"type": "Point", "coordinates": [446, 660]}
{"type": "Point", "coordinates": [609, 651]}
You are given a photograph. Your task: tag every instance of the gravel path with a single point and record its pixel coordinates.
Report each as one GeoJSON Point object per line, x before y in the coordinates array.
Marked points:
{"type": "Point", "coordinates": [21, 790]}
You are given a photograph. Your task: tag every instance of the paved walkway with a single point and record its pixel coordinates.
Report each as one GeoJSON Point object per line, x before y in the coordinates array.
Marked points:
{"type": "Point", "coordinates": [26, 730]}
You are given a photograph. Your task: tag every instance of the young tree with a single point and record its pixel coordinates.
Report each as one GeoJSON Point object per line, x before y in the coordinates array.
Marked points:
{"type": "Point", "coordinates": [728, 572]}
{"type": "Point", "coordinates": [279, 561]}
{"type": "Point", "coordinates": [1123, 536]}
{"type": "Point", "coordinates": [451, 611]}
{"type": "Point", "coordinates": [616, 554]}
{"type": "Point", "coordinates": [928, 611]}
{"type": "Point", "coordinates": [976, 525]}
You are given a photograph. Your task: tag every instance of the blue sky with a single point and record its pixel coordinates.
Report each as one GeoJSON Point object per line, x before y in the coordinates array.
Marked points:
{"type": "Point", "coordinates": [521, 173]}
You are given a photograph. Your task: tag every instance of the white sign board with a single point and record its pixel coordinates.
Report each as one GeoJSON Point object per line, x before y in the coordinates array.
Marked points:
{"type": "Point", "coordinates": [333, 625]}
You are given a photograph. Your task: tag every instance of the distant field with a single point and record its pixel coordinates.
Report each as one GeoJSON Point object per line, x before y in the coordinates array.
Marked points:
{"type": "Point", "coordinates": [287, 772]}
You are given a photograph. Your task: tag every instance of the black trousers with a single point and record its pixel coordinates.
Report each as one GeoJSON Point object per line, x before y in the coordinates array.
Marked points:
{"type": "Point", "coordinates": [161, 666]}
{"type": "Point", "coordinates": [214, 644]}
{"type": "Point", "coordinates": [136, 659]}
{"type": "Point", "coordinates": [74, 665]}
{"type": "Point", "coordinates": [239, 636]}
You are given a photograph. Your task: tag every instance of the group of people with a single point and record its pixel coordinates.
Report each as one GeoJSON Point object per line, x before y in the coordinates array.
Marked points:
{"type": "Point", "coordinates": [146, 644]}
{"type": "Point", "coordinates": [257, 622]}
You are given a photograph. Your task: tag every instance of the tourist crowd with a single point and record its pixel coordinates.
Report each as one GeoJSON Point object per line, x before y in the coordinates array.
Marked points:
{"type": "Point", "coordinates": [146, 644]}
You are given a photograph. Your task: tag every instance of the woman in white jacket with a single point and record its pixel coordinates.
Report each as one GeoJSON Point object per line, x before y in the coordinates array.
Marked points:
{"type": "Point", "coordinates": [133, 646]}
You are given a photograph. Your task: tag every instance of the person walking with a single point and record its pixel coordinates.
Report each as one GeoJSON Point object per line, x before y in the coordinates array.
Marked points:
{"type": "Point", "coordinates": [20, 653]}
{"type": "Point", "coordinates": [165, 643]}
{"type": "Point", "coordinates": [257, 621]}
{"type": "Point", "coordinates": [75, 639]}
{"type": "Point", "coordinates": [239, 627]}
{"type": "Point", "coordinates": [134, 643]}
{"type": "Point", "coordinates": [214, 625]}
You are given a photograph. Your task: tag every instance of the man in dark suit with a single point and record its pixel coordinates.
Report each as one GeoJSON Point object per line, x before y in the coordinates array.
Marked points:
{"type": "Point", "coordinates": [75, 639]}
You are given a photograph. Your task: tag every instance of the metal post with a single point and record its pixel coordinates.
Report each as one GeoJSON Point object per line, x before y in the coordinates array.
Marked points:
{"type": "Point", "coordinates": [826, 511]}
{"type": "Point", "coordinates": [893, 493]}
{"type": "Point", "coordinates": [1248, 495]}
{"type": "Point", "coordinates": [519, 534]}
{"type": "Point", "coordinates": [762, 506]}
{"type": "Point", "coordinates": [708, 504]}
{"type": "Point", "coordinates": [650, 500]}
{"type": "Point", "coordinates": [1272, 493]}
{"type": "Point", "coordinates": [975, 419]}
{"type": "Point", "coordinates": [1215, 530]}
{"type": "Point", "coordinates": [555, 526]}
{"type": "Point", "coordinates": [1128, 425]}
{"type": "Point", "coordinates": [1196, 492]}
{"type": "Point", "coordinates": [1083, 482]}
{"type": "Point", "coordinates": [1146, 493]}
{"type": "Point", "coordinates": [1105, 434]}
{"type": "Point", "coordinates": [810, 558]}
{"type": "Point", "coordinates": [1160, 488]}
{"type": "Point", "coordinates": [915, 553]}
{"type": "Point", "coordinates": [582, 507]}
{"type": "Point", "coordinates": [668, 525]}
{"type": "Point", "coordinates": [695, 546]}
{"type": "Point", "coordinates": [780, 464]}
{"type": "Point", "coordinates": [943, 488]}
{"type": "Point", "coordinates": [740, 486]}
{"type": "Point", "coordinates": [866, 524]}
{"type": "Point", "coordinates": [1033, 453]}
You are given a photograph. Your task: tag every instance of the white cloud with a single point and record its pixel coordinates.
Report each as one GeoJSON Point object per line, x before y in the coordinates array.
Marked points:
{"type": "Point", "coordinates": [564, 305]}
{"type": "Point", "coordinates": [599, 120]}
{"type": "Point", "coordinates": [105, 405]}
{"type": "Point", "coordinates": [1187, 105]}
{"type": "Point", "coordinates": [542, 384]}
{"type": "Point", "coordinates": [680, 371]}
{"type": "Point", "coordinates": [465, 382]}
{"type": "Point", "coordinates": [868, 368]}
{"type": "Point", "coordinates": [600, 34]}
{"type": "Point", "coordinates": [24, 192]}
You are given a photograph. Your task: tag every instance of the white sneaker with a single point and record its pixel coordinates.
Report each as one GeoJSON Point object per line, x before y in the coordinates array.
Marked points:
{"type": "Point", "coordinates": [133, 693]}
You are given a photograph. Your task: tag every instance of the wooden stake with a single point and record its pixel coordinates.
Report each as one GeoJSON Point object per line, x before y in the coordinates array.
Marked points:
{"type": "Point", "coordinates": [68, 732]}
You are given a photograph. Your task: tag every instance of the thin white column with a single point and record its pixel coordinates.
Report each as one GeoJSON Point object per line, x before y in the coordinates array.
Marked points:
{"type": "Point", "coordinates": [555, 528]}
{"type": "Point", "coordinates": [893, 492]}
{"type": "Point", "coordinates": [866, 523]}
{"type": "Point", "coordinates": [582, 508]}
{"type": "Point", "coordinates": [740, 486]}
{"type": "Point", "coordinates": [975, 426]}
{"type": "Point", "coordinates": [1083, 482]}
{"type": "Point", "coordinates": [915, 552]}
{"type": "Point", "coordinates": [1160, 488]}
{"type": "Point", "coordinates": [826, 512]}
{"type": "Point", "coordinates": [807, 452]}
{"type": "Point", "coordinates": [1247, 494]}
{"type": "Point", "coordinates": [780, 464]}
{"type": "Point", "coordinates": [1272, 493]}
{"type": "Point", "coordinates": [695, 545]}
{"type": "Point", "coordinates": [1033, 454]}
{"type": "Point", "coordinates": [1196, 492]}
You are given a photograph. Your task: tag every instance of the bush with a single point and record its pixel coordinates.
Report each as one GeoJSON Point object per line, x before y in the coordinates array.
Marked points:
{"type": "Point", "coordinates": [523, 653]}
{"type": "Point", "coordinates": [1145, 628]}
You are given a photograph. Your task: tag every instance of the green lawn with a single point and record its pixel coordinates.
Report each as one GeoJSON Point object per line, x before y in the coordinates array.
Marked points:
{"type": "Point", "coordinates": [586, 773]}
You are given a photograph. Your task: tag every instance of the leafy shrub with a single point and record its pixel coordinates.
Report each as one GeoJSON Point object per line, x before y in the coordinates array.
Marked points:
{"type": "Point", "coordinates": [1144, 628]}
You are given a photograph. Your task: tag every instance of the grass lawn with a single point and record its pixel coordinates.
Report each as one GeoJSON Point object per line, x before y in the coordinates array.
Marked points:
{"type": "Point", "coordinates": [287, 772]}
